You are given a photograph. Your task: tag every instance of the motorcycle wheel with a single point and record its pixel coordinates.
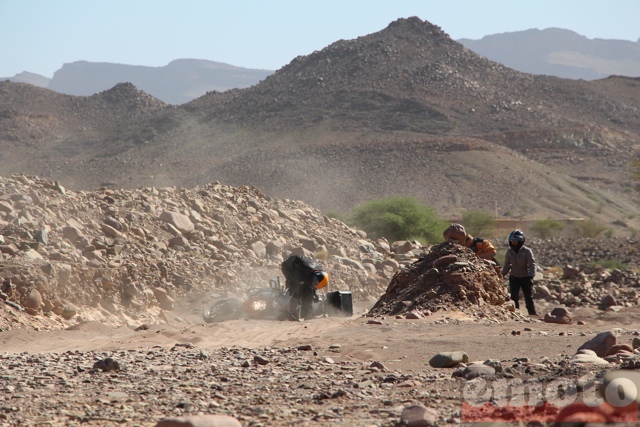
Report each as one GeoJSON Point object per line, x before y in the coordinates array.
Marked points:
{"type": "Point", "coordinates": [219, 311]}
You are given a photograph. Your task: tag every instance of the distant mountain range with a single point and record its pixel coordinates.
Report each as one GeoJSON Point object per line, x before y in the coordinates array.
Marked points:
{"type": "Point", "coordinates": [560, 53]}
{"type": "Point", "coordinates": [553, 52]}
{"type": "Point", "coordinates": [178, 82]}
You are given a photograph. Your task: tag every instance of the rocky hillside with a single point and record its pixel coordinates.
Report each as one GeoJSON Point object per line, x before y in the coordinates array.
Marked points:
{"type": "Point", "coordinates": [406, 110]}
{"type": "Point", "coordinates": [126, 257]}
{"type": "Point", "coordinates": [145, 256]}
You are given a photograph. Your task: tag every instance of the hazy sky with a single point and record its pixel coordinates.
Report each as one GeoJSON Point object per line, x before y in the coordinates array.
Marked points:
{"type": "Point", "coordinates": [41, 35]}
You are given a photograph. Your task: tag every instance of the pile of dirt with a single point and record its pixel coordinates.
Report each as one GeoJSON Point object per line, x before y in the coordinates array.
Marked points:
{"type": "Point", "coordinates": [126, 257]}
{"type": "Point", "coordinates": [446, 277]}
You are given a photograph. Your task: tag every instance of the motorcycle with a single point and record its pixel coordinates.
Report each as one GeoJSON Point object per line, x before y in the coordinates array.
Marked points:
{"type": "Point", "coordinates": [273, 302]}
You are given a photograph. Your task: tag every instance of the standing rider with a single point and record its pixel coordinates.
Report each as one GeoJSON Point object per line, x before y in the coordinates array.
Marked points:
{"type": "Point", "coordinates": [303, 277]}
{"type": "Point", "coordinates": [521, 266]}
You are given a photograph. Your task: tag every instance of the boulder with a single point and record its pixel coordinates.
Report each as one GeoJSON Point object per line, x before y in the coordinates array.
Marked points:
{"type": "Point", "coordinates": [609, 301]}
{"type": "Point", "coordinates": [476, 370]}
{"type": "Point", "coordinates": [33, 300]}
{"type": "Point", "coordinates": [449, 359]}
{"type": "Point", "coordinates": [418, 416]}
{"type": "Point", "coordinates": [559, 315]}
{"type": "Point", "coordinates": [200, 421]}
{"type": "Point", "coordinates": [181, 222]}
{"type": "Point", "coordinates": [601, 343]}
{"type": "Point", "coordinates": [618, 348]}
{"type": "Point", "coordinates": [588, 358]}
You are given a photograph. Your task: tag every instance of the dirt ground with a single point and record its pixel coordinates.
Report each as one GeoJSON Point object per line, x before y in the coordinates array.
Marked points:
{"type": "Point", "coordinates": [336, 382]}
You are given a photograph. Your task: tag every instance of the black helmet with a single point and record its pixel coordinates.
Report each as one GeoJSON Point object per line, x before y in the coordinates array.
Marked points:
{"type": "Point", "coordinates": [516, 237]}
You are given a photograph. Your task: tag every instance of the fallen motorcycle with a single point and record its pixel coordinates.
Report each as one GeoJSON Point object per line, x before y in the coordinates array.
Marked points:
{"type": "Point", "coordinates": [274, 302]}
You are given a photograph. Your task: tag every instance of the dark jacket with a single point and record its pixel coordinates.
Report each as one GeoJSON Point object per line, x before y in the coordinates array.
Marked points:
{"type": "Point", "coordinates": [298, 271]}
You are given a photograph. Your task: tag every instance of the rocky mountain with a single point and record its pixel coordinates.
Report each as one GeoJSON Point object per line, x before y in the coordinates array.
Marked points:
{"type": "Point", "coordinates": [31, 78]}
{"type": "Point", "coordinates": [406, 110]}
{"type": "Point", "coordinates": [180, 81]}
{"type": "Point", "coordinates": [552, 51]}
{"type": "Point", "coordinates": [561, 53]}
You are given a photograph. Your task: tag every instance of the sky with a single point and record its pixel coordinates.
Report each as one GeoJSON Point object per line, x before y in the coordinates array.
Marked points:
{"type": "Point", "coordinates": [39, 36]}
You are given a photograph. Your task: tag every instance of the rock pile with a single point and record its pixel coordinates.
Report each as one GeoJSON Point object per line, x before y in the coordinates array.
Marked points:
{"type": "Point", "coordinates": [447, 276]}
{"type": "Point", "coordinates": [586, 252]}
{"type": "Point", "coordinates": [124, 257]}
{"type": "Point", "coordinates": [592, 287]}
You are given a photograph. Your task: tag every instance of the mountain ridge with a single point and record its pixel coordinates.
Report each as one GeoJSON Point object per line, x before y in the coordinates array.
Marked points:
{"type": "Point", "coordinates": [552, 51]}
{"type": "Point", "coordinates": [560, 52]}
{"type": "Point", "coordinates": [405, 111]}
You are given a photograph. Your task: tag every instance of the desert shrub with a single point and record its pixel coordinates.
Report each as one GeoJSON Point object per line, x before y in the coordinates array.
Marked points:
{"type": "Point", "coordinates": [322, 254]}
{"type": "Point", "coordinates": [609, 264]}
{"type": "Point", "coordinates": [478, 224]}
{"type": "Point", "coordinates": [546, 228]}
{"type": "Point", "coordinates": [399, 218]}
{"type": "Point", "coordinates": [634, 169]}
{"type": "Point", "coordinates": [587, 228]}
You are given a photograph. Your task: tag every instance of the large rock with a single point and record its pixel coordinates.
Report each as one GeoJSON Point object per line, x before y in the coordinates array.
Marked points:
{"type": "Point", "coordinates": [476, 370]}
{"type": "Point", "coordinates": [200, 421]}
{"type": "Point", "coordinates": [181, 222]}
{"type": "Point", "coordinates": [259, 249]}
{"type": "Point", "coordinates": [559, 315]}
{"type": "Point", "coordinates": [619, 348]}
{"type": "Point", "coordinates": [569, 272]}
{"type": "Point", "coordinates": [588, 358]}
{"type": "Point", "coordinates": [402, 246]}
{"type": "Point", "coordinates": [609, 301]}
{"type": "Point", "coordinates": [274, 247]}
{"type": "Point", "coordinates": [601, 343]}
{"type": "Point", "coordinates": [449, 359]}
{"type": "Point", "coordinates": [33, 300]}
{"type": "Point", "coordinates": [418, 416]}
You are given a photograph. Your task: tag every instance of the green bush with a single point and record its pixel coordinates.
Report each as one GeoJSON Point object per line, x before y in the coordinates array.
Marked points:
{"type": "Point", "coordinates": [478, 224]}
{"type": "Point", "coordinates": [546, 228]}
{"type": "Point", "coordinates": [609, 264]}
{"type": "Point", "coordinates": [588, 228]}
{"type": "Point", "coordinates": [399, 218]}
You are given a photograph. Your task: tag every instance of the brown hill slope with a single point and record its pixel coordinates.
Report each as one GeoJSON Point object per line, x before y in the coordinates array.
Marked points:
{"type": "Point", "coordinates": [406, 110]}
